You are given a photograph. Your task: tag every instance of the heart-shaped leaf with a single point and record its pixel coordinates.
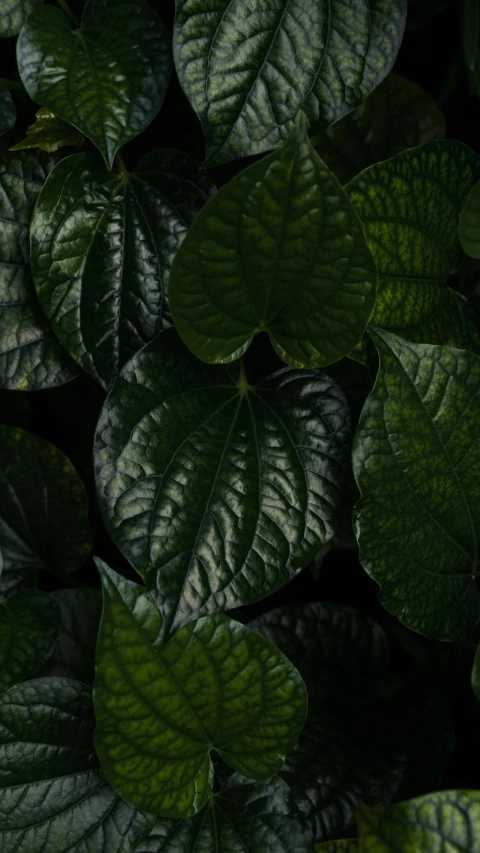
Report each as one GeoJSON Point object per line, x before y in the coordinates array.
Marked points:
{"type": "Point", "coordinates": [14, 14]}
{"type": "Point", "coordinates": [280, 250]}
{"type": "Point", "coordinates": [249, 69]}
{"type": "Point", "coordinates": [469, 225]}
{"type": "Point", "coordinates": [8, 113]}
{"type": "Point", "coordinates": [74, 652]}
{"type": "Point", "coordinates": [103, 285]}
{"type": "Point", "coordinates": [30, 356]}
{"type": "Point", "coordinates": [29, 625]}
{"type": "Point", "coordinates": [50, 133]}
{"type": "Point", "coordinates": [119, 59]}
{"type": "Point", "coordinates": [43, 510]}
{"type": "Point", "coordinates": [218, 492]}
{"type": "Point", "coordinates": [418, 515]}
{"type": "Point", "coordinates": [53, 795]}
{"type": "Point", "coordinates": [161, 709]}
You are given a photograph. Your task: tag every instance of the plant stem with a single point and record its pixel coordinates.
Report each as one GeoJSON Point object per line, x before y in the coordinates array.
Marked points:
{"type": "Point", "coordinates": [12, 84]}
{"type": "Point", "coordinates": [66, 8]}
{"type": "Point", "coordinates": [120, 165]}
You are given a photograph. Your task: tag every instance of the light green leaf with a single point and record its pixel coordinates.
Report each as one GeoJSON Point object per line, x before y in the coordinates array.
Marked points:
{"type": "Point", "coordinates": [53, 797]}
{"type": "Point", "coordinates": [14, 13]}
{"type": "Point", "coordinates": [119, 59]}
{"type": "Point", "coordinates": [217, 492]}
{"type": "Point", "coordinates": [396, 116]}
{"type": "Point", "coordinates": [49, 133]}
{"type": "Point", "coordinates": [8, 113]}
{"type": "Point", "coordinates": [415, 460]}
{"type": "Point", "coordinates": [343, 845]}
{"type": "Point", "coordinates": [436, 823]}
{"type": "Point", "coordinates": [74, 652]}
{"type": "Point", "coordinates": [43, 510]}
{"type": "Point", "coordinates": [249, 70]}
{"type": "Point", "coordinates": [280, 250]}
{"type": "Point", "coordinates": [161, 709]}
{"type": "Point", "coordinates": [103, 283]}
{"type": "Point", "coordinates": [30, 356]}
{"type": "Point", "coordinates": [29, 625]}
{"type": "Point", "coordinates": [469, 225]}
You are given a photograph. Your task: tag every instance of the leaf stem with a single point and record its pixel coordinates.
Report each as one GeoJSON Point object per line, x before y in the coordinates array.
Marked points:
{"type": "Point", "coordinates": [66, 8]}
{"type": "Point", "coordinates": [12, 84]}
{"type": "Point", "coordinates": [120, 165]}
{"type": "Point", "coordinates": [67, 579]}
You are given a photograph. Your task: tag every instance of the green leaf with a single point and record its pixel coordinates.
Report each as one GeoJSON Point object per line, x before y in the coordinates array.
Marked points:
{"type": "Point", "coordinates": [280, 250]}
{"type": "Point", "coordinates": [248, 71]}
{"type": "Point", "coordinates": [396, 116]}
{"type": "Point", "coordinates": [454, 323]}
{"type": "Point", "coordinates": [30, 356]}
{"type": "Point", "coordinates": [74, 652]}
{"type": "Point", "coordinates": [53, 795]}
{"type": "Point", "coordinates": [244, 817]}
{"type": "Point", "coordinates": [44, 512]}
{"type": "Point", "coordinates": [161, 709]}
{"type": "Point", "coordinates": [409, 207]}
{"type": "Point", "coordinates": [218, 492]}
{"type": "Point", "coordinates": [103, 284]}
{"type": "Point", "coordinates": [29, 625]}
{"type": "Point", "coordinates": [445, 820]}
{"type": "Point", "coordinates": [415, 455]}
{"type": "Point", "coordinates": [49, 133]}
{"type": "Point", "coordinates": [469, 225]}
{"type": "Point", "coordinates": [8, 113]}
{"type": "Point", "coordinates": [343, 845]}
{"type": "Point", "coordinates": [14, 14]}
{"type": "Point", "coordinates": [119, 59]}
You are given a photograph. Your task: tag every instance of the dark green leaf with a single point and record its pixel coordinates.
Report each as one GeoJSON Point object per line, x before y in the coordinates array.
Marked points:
{"type": "Point", "coordinates": [30, 357]}
{"type": "Point", "coordinates": [248, 70]}
{"type": "Point", "coordinates": [396, 116]}
{"type": "Point", "coordinates": [453, 323]}
{"type": "Point", "coordinates": [343, 845]}
{"type": "Point", "coordinates": [469, 226]}
{"type": "Point", "coordinates": [103, 283]}
{"type": "Point", "coordinates": [29, 625]}
{"type": "Point", "coordinates": [49, 133]}
{"type": "Point", "coordinates": [8, 113]}
{"type": "Point", "coordinates": [14, 13]}
{"type": "Point", "coordinates": [161, 709]}
{"type": "Point", "coordinates": [119, 60]}
{"type": "Point", "coordinates": [54, 798]}
{"type": "Point", "coordinates": [44, 513]}
{"type": "Point", "coordinates": [218, 492]}
{"type": "Point", "coordinates": [280, 250]}
{"type": "Point", "coordinates": [74, 652]}
{"type": "Point", "coordinates": [415, 460]}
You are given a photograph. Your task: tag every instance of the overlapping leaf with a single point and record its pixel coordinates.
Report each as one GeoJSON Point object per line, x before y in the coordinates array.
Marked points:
{"type": "Point", "coordinates": [8, 113]}
{"type": "Point", "coordinates": [248, 70]}
{"type": "Point", "coordinates": [29, 625]}
{"type": "Point", "coordinates": [102, 247]}
{"type": "Point", "coordinates": [74, 652]}
{"type": "Point", "coordinates": [469, 225]}
{"type": "Point", "coordinates": [50, 133]}
{"type": "Point", "coordinates": [14, 14]}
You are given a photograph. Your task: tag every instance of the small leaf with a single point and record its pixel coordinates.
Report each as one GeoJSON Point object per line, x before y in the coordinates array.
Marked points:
{"type": "Point", "coordinates": [29, 625]}
{"type": "Point", "coordinates": [53, 794]}
{"type": "Point", "coordinates": [343, 845]}
{"type": "Point", "coordinates": [279, 249]}
{"type": "Point", "coordinates": [218, 492]}
{"type": "Point", "coordinates": [119, 59]}
{"type": "Point", "coordinates": [74, 652]}
{"type": "Point", "coordinates": [469, 225]}
{"type": "Point", "coordinates": [49, 133]}
{"type": "Point", "coordinates": [415, 456]}
{"type": "Point", "coordinates": [249, 70]}
{"type": "Point", "coordinates": [161, 709]}
{"type": "Point", "coordinates": [102, 247]}
{"type": "Point", "coordinates": [14, 14]}
{"type": "Point", "coordinates": [8, 113]}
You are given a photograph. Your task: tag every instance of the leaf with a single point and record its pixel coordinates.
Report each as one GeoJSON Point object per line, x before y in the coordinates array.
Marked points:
{"type": "Point", "coordinates": [8, 113]}
{"type": "Point", "coordinates": [343, 845]}
{"type": "Point", "coordinates": [14, 15]}
{"type": "Point", "coordinates": [54, 797]}
{"type": "Point", "coordinates": [409, 207]}
{"type": "Point", "coordinates": [445, 820]}
{"type": "Point", "coordinates": [397, 115]}
{"type": "Point", "coordinates": [44, 512]}
{"type": "Point", "coordinates": [414, 459]}
{"type": "Point", "coordinates": [280, 250]}
{"type": "Point", "coordinates": [218, 492]}
{"type": "Point", "coordinates": [49, 133]}
{"type": "Point", "coordinates": [74, 652]}
{"type": "Point", "coordinates": [30, 357]}
{"type": "Point", "coordinates": [103, 285]}
{"type": "Point", "coordinates": [29, 625]}
{"type": "Point", "coordinates": [244, 817]}
{"type": "Point", "coordinates": [454, 323]}
{"type": "Point", "coordinates": [214, 685]}
{"type": "Point", "coordinates": [249, 70]}
{"type": "Point", "coordinates": [119, 59]}
{"type": "Point", "coordinates": [469, 225]}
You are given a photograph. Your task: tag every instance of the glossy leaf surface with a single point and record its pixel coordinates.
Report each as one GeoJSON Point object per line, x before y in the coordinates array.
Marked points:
{"type": "Point", "coordinates": [50, 133]}
{"type": "Point", "coordinates": [214, 685]}
{"type": "Point", "coordinates": [248, 70]}
{"type": "Point", "coordinates": [74, 652]}
{"type": "Point", "coordinates": [469, 225]}
{"type": "Point", "coordinates": [102, 247]}
{"type": "Point", "coordinates": [54, 798]}
{"type": "Point", "coordinates": [415, 456]}
{"type": "Point", "coordinates": [29, 625]}
{"type": "Point", "coordinates": [217, 492]}
{"type": "Point", "coordinates": [279, 249]}
{"type": "Point", "coordinates": [119, 59]}
{"type": "Point", "coordinates": [14, 15]}
{"type": "Point", "coordinates": [8, 113]}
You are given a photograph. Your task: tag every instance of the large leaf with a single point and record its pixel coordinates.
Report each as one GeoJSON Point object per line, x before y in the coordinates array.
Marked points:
{"type": "Point", "coordinates": [161, 709]}
{"type": "Point", "coordinates": [29, 625]}
{"type": "Point", "coordinates": [74, 652]}
{"type": "Point", "coordinates": [396, 116]}
{"type": "Point", "coordinates": [8, 113]}
{"type": "Point", "coordinates": [119, 59]}
{"type": "Point", "coordinates": [280, 250]}
{"type": "Point", "coordinates": [248, 68]}
{"type": "Point", "coordinates": [218, 492]}
{"type": "Point", "coordinates": [415, 459]}
{"type": "Point", "coordinates": [50, 133]}
{"type": "Point", "coordinates": [469, 225]}
{"type": "Point", "coordinates": [30, 357]}
{"type": "Point", "coordinates": [103, 284]}
{"type": "Point", "coordinates": [453, 323]}
{"type": "Point", "coordinates": [14, 13]}
{"type": "Point", "coordinates": [54, 798]}
{"type": "Point", "coordinates": [43, 510]}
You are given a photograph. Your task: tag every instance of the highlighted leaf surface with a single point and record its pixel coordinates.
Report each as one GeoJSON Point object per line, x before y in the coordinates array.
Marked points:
{"type": "Point", "coordinates": [50, 133]}
{"type": "Point", "coordinates": [14, 14]}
